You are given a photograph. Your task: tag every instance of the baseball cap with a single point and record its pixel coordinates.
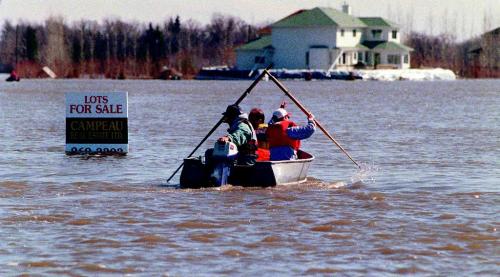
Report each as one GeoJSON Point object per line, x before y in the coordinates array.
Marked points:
{"type": "Point", "coordinates": [280, 113]}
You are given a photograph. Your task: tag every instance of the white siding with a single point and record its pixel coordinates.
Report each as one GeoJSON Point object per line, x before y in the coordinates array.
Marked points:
{"type": "Point", "coordinates": [398, 37]}
{"type": "Point", "coordinates": [319, 58]}
{"type": "Point", "coordinates": [245, 60]}
{"type": "Point", "coordinates": [348, 40]}
{"type": "Point", "coordinates": [292, 44]}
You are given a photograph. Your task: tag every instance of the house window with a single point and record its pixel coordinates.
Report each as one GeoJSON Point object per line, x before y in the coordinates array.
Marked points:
{"type": "Point", "coordinates": [354, 33]}
{"type": "Point", "coordinates": [395, 34]}
{"type": "Point", "coordinates": [393, 59]}
{"type": "Point", "coordinates": [341, 32]}
{"type": "Point", "coordinates": [377, 34]}
{"type": "Point", "coordinates": [260, 59]}
{"type": "Point", "coordinates": [343, 58]}
{"type": "Point", "coordinates": [406, 58]}
{"type": "Point", "coordinates": [355, 55]}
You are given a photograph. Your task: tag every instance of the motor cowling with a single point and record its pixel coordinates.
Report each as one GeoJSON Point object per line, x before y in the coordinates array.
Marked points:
{"type": "Point", "coordinates": [224, 155]}
{"type": "Point", "coordinates": [225, 150]}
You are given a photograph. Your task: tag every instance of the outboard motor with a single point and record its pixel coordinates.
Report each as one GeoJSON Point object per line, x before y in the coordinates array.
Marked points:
{"type": "Point", "coordinates": [224, 156]}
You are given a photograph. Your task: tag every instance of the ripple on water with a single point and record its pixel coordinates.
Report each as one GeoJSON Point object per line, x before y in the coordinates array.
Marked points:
{"type": "Point", "coordinates": [426, 240]}
{"type": "Point", "coordinates": [10, 189]}
{"type": "Point", "coordinates": [80, 222]}
{"type": "Point", "coordinates": [321, 271]}
{"type": "Point", "coordinates": [283, 197]}
{"type": "Point", "coordinates": [372, 196]}
{"type": "Point", "coordinates": [475, 246]}
{"type": "Point", "coordinates": [341, 222]}
{"type": "Point", "coordinates": [446, 217]}
{"type": "Point", "coordinates": [102, 243]}
{"type": "Point", "coordinates": [322, 228]}
{"type": "Point", "coordinates": [271, 240]}
{"type": "Point", "coordinates": [192, 224]}
{"type": "Point", "coordinates": [40, 264]}
{"type": "Point", "coordinates": [35, 218]}
{"type": "Point", "coordinates": [234, 253]}
{"type": "Point", "coordinates": [101, 268]}
{"type": "Point", "coordinates": [448, 247]}
{"type": "Point", "coordinates": [205, 238]}
{"type": "Point", "coordinates": [390, 251]}
{"type": "Point", "coordinates": [151, 239]}
{"type": "Point", "coordinates": [474, 236]}
{"type": "Point", "coordinates": [305, 220]}
{"type": "Point", "coordinates": [409, 270]}
{"type": "Point", "coordinates": [338, 237]}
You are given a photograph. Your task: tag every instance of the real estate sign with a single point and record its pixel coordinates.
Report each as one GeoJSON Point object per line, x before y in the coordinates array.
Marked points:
{"type": "Point", "coordinates": [96, 122]}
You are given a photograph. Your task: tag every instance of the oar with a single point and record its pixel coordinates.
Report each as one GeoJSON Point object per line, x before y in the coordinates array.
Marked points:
{"type": "Point", "coordinates": [245, 94]}
{"type": "Point", "coordinates": [278, 83]}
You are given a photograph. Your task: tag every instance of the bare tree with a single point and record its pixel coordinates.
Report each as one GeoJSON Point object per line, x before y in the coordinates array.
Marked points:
{"type": "Point", "coordinates": [117, 49]}
{"type": "Point", "coordinates": [56, 50]}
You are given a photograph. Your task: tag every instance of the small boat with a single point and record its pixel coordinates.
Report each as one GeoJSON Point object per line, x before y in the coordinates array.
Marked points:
{"type": "Point", "coordinates": [13, 77]}
{"type": "Point", "coordinates": [262, 174]}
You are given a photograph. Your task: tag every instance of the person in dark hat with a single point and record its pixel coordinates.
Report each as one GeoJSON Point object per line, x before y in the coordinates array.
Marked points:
{"type": "Point", "coordinates": [241, 133]}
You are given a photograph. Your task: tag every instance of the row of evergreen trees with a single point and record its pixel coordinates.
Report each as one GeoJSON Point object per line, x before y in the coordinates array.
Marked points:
{"type": "Point", "coordinates": [117, 49]}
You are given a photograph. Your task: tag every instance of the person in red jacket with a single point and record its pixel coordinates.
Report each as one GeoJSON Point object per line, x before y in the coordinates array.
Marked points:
{"type": "Point", "coordinates": [284, 136]}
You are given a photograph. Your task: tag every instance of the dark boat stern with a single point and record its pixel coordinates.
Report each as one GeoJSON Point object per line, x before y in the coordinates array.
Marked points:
{"type": "Point", "coordinates": [194, 174]}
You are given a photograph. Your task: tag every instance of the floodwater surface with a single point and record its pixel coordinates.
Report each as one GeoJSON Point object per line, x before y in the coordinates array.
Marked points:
{"type": "Point", "coordinates": [426, 201]}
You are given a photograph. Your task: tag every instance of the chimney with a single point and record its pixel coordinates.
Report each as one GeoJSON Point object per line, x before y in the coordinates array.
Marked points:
{"type": "Point", "coordinates": [346, 8]}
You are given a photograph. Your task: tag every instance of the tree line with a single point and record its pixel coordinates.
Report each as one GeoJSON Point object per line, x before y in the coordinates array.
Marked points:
{"type": "Point", "coordinates": [118, 49]}
{"type": "Point", "coordinates": [475, 58]}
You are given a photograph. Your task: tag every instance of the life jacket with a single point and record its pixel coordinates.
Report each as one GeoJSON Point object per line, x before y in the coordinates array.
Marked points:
{"type": "Point", "coordinates": [277, 136]}
{"type": "Point", "coordinates": [263, 154]}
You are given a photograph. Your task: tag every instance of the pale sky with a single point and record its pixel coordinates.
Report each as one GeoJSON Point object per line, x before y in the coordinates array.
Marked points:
{"type": "Point", "coordinates": [466, 18]}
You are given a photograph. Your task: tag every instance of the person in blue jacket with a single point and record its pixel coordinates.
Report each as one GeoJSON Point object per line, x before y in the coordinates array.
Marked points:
{"type": "Point", "coordinates": [284, 135]}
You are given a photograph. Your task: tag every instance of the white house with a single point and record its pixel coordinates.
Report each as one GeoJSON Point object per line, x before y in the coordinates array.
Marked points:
{"type": "Point", "coordinates": [325, 38]}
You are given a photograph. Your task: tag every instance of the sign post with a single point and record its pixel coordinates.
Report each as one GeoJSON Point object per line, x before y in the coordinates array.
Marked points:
{"type": "Point", "coordinates": [96, 122]}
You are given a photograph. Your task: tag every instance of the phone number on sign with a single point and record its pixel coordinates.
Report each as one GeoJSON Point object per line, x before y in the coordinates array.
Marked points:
{"type": "Point", "coordinates": [97, 150]}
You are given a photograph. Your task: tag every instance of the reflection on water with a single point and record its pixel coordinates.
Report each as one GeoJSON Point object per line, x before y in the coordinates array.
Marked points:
{"type": "Point", "coordinates": [425, 201]}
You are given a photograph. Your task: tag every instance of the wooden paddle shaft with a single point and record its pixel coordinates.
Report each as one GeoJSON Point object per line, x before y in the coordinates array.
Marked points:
{"type": "Point", "coordinates": [278, 83]}
{"type": "Point", "coordinates": [247, 92]}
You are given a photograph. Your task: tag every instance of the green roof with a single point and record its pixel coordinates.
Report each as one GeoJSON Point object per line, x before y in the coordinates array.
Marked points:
{"type": "Point", "coordinates": [386, 45]}
{"type": "Point", "coordinates": [257, 44]}
{"type": "Point", "coordinates": [361, 47]}
{"type": "Point", "coordinates": [319, 17]}
{"type": "Point", "coordinates": [377, 22]}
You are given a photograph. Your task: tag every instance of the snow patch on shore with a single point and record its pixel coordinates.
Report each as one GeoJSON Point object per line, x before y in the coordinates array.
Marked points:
{"type": "Point", "coordinates": [406, 74]}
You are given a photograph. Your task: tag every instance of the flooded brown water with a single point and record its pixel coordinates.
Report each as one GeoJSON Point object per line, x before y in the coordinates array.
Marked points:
{"type": "Point", "coordinates": [427, 201]}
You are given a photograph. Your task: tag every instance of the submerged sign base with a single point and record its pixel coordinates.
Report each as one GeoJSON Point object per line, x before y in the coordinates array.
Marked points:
{"type": "Point", "coordinates": [96, 123]}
